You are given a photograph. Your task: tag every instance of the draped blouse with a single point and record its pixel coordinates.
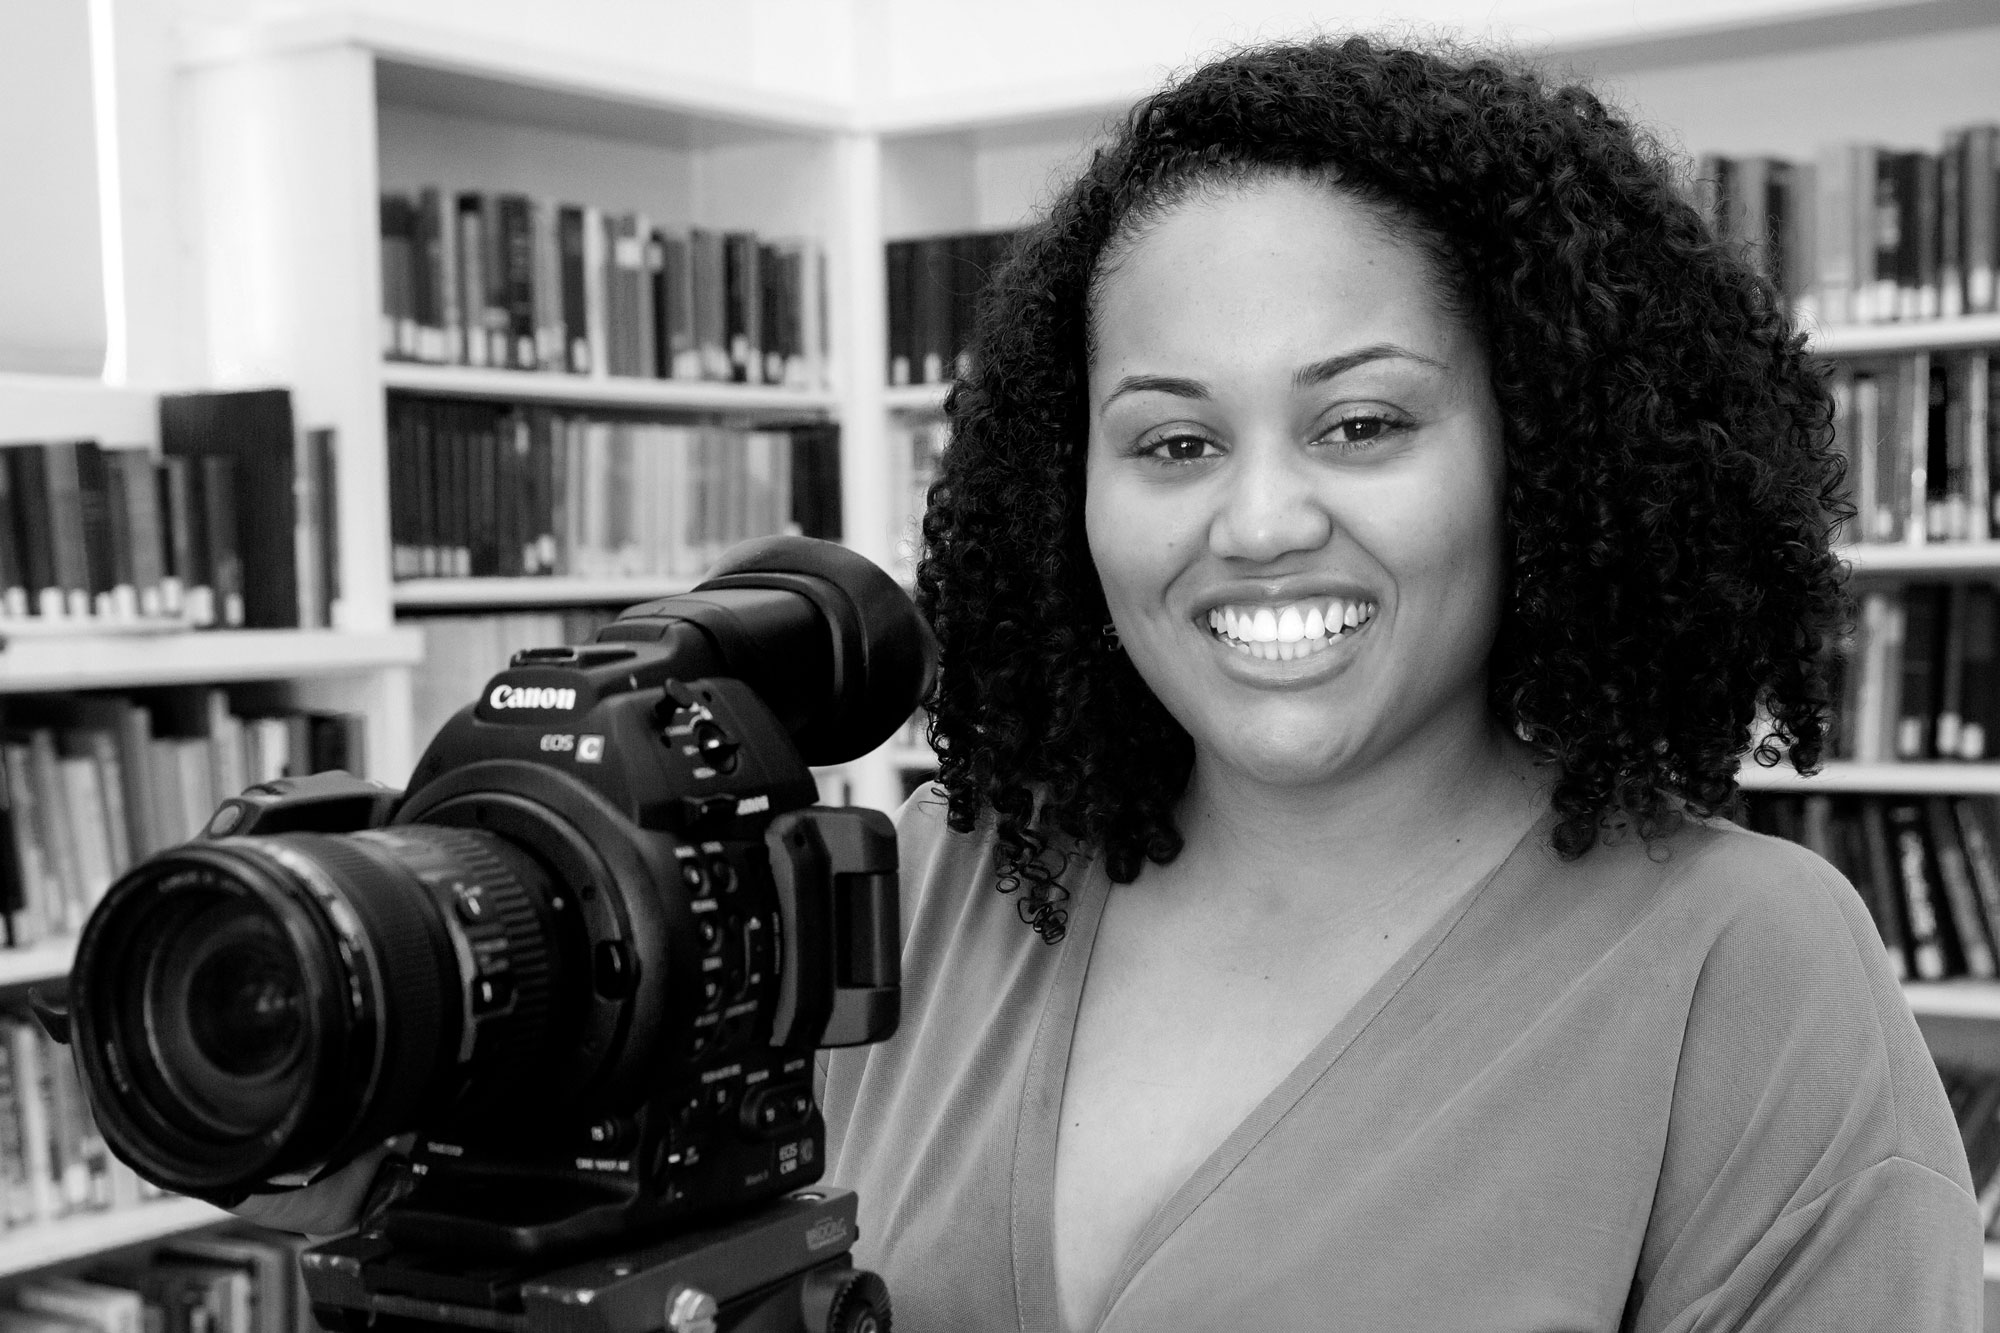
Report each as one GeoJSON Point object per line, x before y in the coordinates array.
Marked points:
{"type": "Point", "coordinates": [1663, 1089]}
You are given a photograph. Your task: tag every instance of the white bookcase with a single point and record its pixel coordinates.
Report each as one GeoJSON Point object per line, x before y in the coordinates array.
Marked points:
{"type": "Point", "coordinates": [295, 126]}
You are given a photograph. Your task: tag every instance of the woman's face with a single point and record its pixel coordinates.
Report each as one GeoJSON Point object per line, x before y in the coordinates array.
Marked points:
{"type": "Point", "coordinates": [1294, 484]}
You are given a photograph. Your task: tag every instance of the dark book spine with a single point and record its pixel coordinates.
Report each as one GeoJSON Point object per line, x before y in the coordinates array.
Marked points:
{"type": "Point", "coordinates": [430, 252]}
{"type": "Point", "coordinates": [710, 318]}
{"type": "Point", "coordinates": [1954, 877]}
{"type": "Point", "coordinates": [1980, 722]}
{"type": "Point", "coordinates": [470, 213]}
{"type": "Point", "coordinates": [100, 554]}
{"type": "Point", "coordinates": [13, 585]}
{"type": "Point", "coordinates": [1916, 871]}
{"type": "Point", "coordinates": [1974, 817]}
{"type": "Point", "coordinates": [1924, 184]}
{"type": "Point", "coordinates": [1884, 888]}
{"type": "Point", "coordinates": [770, 313]}
{"type": "Point", "coordinates": [28, 490]}
{"type": "Point", "coordinates": [740, 295]}
{"type": "Point", "coordinates": [185, 589]}
{"type": "Point", "coordinates": [900, 261]}
{"type": "Point", "coordinates": [816, 496]}
{"type": "Point", "coordinates": [517, 240]}
{"type": "Point", "coordinates": [218, 517]}
{"type": "Point", "coordinates": [930, 331]}
{"type": "Point", "coordinates": [1923, 636]}
{"type": "Point", "coordinates": [141, 517]}
{"type": "Point", "coordinates": [398, 241]}
{"type": "Point", "coordinates": [254, 429]}
{"type": "Point", "coordinates": [1951, 224]}
{"type": "Point", "coordinates": [403, 527]}
{"type": "Point", "coordinates": [682, 355]}
{"type": "Point", "coordinates": [1937, 452]}
{"type": "Point", "coordinates": [323, 447]}
{"type": "Point", "coordinates": [575, 311]}
{"type": "Point", "coordinates": [64, 498]}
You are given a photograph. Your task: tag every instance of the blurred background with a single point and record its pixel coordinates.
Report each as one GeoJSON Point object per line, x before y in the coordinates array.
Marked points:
{"type": "Point", "coordinates": [348, 346]}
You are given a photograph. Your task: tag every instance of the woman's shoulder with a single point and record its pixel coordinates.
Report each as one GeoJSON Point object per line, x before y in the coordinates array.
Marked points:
{"type": "Point", "coordinates": [1792, 975]}
{"type": "Point", "coordinates": [1780, 901]}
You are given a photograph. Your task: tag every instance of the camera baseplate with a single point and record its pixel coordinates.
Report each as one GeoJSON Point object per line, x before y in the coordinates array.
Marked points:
{"type": "Point", "coordinates": [781, 1269]}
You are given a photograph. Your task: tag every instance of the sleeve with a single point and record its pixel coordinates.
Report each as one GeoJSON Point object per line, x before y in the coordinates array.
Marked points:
{"type": "Point", "coordinates": [1895, 1246]}
{"type": "Point", "coordinates": [1813, 1178]}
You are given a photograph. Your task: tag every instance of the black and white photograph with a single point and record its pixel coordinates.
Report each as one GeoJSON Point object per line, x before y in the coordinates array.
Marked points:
{"type": "Point", "coordinates": [931, 666]}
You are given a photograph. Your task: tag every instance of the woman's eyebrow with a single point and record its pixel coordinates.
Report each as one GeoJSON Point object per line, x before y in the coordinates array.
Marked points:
{"type": "Point", "coordinates": [1319, 372]}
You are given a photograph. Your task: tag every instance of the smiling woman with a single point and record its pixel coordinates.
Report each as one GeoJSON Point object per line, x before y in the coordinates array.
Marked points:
{"type": "Point", "coordinates": [1457, 502]}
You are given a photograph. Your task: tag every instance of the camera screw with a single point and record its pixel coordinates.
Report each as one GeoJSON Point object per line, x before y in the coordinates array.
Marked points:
{"type": "Point", "coordinates": [691, 1310]}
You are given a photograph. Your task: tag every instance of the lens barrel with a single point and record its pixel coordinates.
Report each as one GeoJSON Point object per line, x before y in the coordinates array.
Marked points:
{"type": "Point", "coordinates": [254, 1008]}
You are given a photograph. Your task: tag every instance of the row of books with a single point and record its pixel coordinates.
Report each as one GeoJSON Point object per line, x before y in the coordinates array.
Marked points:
{"type": "Point", "coordinates": [462, 652]}
{"type": "Point", "coordinates": [90, 784]}
{"type": "Point", "coordinates": [916, 444]}
{"type": "Point", "coordinates": [1920, 677]}
{"type": "Point", "coordinates": [510, 281]}
{"type": "Point", "coordinates": [230, 526]}
{"type": "Point", "coordinates": [479, 490]}
{"type": "Point", "coordinates": [1866, 233]}
{"type": "Point", "coordinates": [1927, 867]}
{"type": "Point", "coordinates": [235, 1280]}
{"type": "Point", "coordinates": [934, 286]}
{"type": "Point", "coordinates": [1922, 445]}
{"type": "Point", "coordinates": [1975, 1101]}
{"type": "Point", "coordinates": [53, 1161]}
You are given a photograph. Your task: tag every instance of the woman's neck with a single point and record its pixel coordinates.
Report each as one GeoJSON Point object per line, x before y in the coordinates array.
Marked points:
{"type": "Point", "coordinates": [1440, 809]}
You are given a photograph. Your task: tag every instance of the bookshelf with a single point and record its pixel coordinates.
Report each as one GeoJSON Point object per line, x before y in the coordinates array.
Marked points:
{"type": "Point", "coordinates": [296, 124]}
{"type": "Point", "coordinates": [82, 1235]}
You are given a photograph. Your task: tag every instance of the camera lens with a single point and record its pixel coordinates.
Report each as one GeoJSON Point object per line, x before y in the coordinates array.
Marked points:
{"type": "Point", "coordinates": [227, 1002]}
{"type": "Point", "coordinates": [255, 1007]}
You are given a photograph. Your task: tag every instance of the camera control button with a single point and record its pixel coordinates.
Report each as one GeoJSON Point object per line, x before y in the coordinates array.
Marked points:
{"type": "Point", "coordinates": [611, 970]}
{"type": "Point", "coordinates": [711, 934]}
{"type": "Point", "coordinates": [711, 992]}
{"type": "Point", "coordinates": [468, 903]}
{"type": "Point", "coordinates": [491, 994]}
{"type": "Point", "coordinates": [609, 1135]}
{"type": "Point", "coordinates": [721, 874]}
{"type": "Point", "coordinates": [716, 747]}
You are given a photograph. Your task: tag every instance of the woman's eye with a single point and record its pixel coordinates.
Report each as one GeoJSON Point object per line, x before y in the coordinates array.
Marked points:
{"type": "Point", "coordinates": [1362, 429]}
{"type": "Point", "coordinates": [1179, 448]}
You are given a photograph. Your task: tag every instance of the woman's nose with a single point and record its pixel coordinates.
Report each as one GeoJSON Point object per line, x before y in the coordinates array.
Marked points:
{"type": "Point", "coordinates": [1270, 506]}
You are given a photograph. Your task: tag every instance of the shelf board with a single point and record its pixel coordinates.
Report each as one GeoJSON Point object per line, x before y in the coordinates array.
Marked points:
{"type": "Point", "coordinates": [36, 963]}
{"type": "Point", "coordinates": [1954, 999]}
{"type": "Point", "coordinates": [40, 1244]}
{"type": "Point", "coordinates": [1907, 558]}
{"type": "Point", "coordinates": [41, 407]}
{"type": "Point", "coordinates": [916, 398]}
{"type": "Point", "coordinates": [528, 386]}
{"type": "Point", "coordinates": [470, 71]}
{"type": "Point", "coordinates": [91, 662]}
{"type": "Point", "coordinates": [1889, 778]}
{"type": "Point", "coordinates": [1917, 335]}
{"type": "Point", "coordinates": [456, 594]}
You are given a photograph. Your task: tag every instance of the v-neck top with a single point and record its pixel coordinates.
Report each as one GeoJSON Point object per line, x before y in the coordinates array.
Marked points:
{"type": "Point", "coordinates": [1661, 1089]}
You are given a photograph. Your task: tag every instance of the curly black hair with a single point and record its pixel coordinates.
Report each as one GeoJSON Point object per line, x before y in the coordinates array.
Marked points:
{"type": "Point", "coordinates": [1672, 485]}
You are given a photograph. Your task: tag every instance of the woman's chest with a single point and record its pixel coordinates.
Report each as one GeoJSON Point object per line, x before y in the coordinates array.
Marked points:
{"type": "Point", "coordinates": [1170, 1055]}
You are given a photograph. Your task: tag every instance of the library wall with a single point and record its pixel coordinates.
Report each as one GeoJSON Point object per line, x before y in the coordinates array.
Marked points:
{"type": "Point", "coordinates": [51, 310]}
{"type": "Point", "coordinates": [1855, 91]}
{"type": "Point", "coordinates": [801, 48]}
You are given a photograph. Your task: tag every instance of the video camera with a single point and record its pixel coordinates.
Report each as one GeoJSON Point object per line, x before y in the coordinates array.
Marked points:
{"type": "Point", "coordinates": [584, 962]}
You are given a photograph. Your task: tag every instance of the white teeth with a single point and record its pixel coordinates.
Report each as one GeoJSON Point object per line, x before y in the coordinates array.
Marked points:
{"type": "Point", "coordinates": [1283, 633]}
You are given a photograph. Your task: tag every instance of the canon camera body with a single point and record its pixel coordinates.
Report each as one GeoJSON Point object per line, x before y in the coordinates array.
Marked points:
{"type": "Point", "coordinates": [584, 961]}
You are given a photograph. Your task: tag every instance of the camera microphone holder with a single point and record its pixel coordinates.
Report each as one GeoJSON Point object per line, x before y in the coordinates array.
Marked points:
{"type": "Point", "coordinates": [784, 1268]}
